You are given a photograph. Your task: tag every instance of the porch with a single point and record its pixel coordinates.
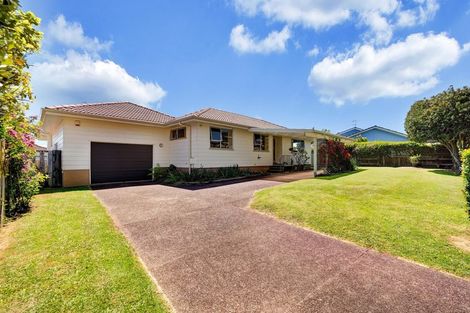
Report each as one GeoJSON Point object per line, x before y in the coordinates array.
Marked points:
{"type": "Point", "coordinates": [285, 140]}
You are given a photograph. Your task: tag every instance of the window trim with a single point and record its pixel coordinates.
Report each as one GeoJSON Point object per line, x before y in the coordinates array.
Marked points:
{"type": "Point", "coordinates": [177, 135]}
{"type": "Point", "coordinates": [297, 140]}
{"type": "Point", "coordinates": [266, 143]}
{"type": "Point", "coordinates": [230, 136]}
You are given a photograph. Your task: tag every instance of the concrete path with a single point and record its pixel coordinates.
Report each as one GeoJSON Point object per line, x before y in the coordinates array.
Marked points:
{"type": "Point", "coordinates": [210, 253]}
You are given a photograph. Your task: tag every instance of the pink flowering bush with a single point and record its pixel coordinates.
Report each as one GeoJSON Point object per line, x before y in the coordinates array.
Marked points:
{"type": "Point", "coordinates": [23, 179]}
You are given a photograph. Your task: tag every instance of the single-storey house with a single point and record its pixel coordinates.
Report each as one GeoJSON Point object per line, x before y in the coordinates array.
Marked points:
{"type": "Point", "coordinates": [374, 133]}
{"type": "Point", "coordinates": [121, 141]}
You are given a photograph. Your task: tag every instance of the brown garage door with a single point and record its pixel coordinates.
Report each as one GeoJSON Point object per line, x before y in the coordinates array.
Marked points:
{"type": "Point", "coordinates": [112, 162]}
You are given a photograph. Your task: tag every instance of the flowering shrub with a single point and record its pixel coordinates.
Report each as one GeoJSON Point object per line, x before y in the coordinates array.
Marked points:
{"type": "Point", "coordinates": [19, 37]}
{"type": "Point", "coordinates": [338, 157]}
{"type": "Point", "coordinates": [23, 180]}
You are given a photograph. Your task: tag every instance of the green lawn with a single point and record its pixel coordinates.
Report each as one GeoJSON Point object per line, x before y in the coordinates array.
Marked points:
{"type": "Point", "coordinates": [66, 256]}
{"type": "Point", "coordinates": [407, 212]}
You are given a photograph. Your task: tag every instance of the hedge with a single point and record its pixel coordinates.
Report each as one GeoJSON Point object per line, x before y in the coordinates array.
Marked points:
{"type": "Point", "coordinates": [466, 176]}
{"type": "Point", "coordinates": [390, 149]}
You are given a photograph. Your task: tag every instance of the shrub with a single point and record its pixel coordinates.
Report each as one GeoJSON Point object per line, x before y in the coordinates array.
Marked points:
{"type": "Point", "coordinates": [23, 182]}
{"type": "Point", "coordinates": [466, 176]}
{"type": "Point", "coordinates": [338, 156]}
{"type": "Point", "coordinates": [415, 160]}
{"type": "Point", "coordinates": [300, 157]}
{"type": "Point", "coordinates": [158, 173]}
{"type": "Point", "coordinates": [172, 175]}
{"type": "Point", "coordinates": [390, 149]}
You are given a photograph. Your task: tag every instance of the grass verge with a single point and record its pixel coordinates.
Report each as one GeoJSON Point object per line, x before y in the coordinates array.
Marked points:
{"type": "Point", "coordinates": [67, 256]}
{"type": "Point", "coordinates": [413, 213]}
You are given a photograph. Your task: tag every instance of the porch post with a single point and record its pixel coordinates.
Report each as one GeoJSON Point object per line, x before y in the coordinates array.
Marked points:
{"type": "Point", "coordinates": [315, 156]}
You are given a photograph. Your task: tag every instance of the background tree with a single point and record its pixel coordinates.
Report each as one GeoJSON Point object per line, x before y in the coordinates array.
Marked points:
{"type": "Point", "coordinates": [18, 38]}
{"type": "Point", "coordinates": [444, 118]}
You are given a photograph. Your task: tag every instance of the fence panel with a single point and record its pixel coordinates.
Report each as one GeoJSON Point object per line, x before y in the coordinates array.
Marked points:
{"type": "Point", "coordinates": [55, 168]}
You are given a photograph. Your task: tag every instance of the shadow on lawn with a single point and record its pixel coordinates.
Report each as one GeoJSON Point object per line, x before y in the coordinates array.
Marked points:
{"type": "Point", "coordinates": [444, 172]}
{"type": "Point", "coordinates": [336, 176]}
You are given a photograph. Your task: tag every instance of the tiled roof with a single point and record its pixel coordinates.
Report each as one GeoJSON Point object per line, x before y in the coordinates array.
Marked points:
{"type": "Point", "coordinates": [217, 115]}
{"type": "Point", "coordinates": [133, 112]}
{"type": "Point", "coordinates": [119, 110]}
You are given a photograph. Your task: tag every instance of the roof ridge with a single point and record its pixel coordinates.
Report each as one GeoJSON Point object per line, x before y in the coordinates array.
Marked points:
{"type": "Point", "coordinates": [106, 103]}
{"type": "Point", "coordinates": [255, 118]}
{"type": "Point", "coordinates": [201, 111]}
{"type": "Point", "coordinates": [383, 128]}
{"type": "Point", "coordinates": [144, 107]}
{"type": "Point", "coordinates": [85, 103]}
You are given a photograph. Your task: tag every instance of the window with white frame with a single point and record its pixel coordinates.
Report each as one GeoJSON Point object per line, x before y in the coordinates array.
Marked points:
{"type": "Point", "coordinates": [298, 144]}
{"type": "Point", "coordinates": [221, 138]}
{"type": "Point", "coordinates": [260, 142]}
{"type": "Point", "coordinates": [178, 133]}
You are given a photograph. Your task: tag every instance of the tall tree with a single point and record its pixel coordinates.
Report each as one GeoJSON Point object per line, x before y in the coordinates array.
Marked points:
{"type": "Point", "coordinates": [18, 38]}
{"type": "Point", "coordinates": [444, 118]}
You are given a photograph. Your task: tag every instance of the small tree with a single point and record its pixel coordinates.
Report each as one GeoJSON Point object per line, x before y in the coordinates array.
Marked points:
{"type": "Point", "coordinates": [339, 158]}
{"type": "Point", "coordinates": [444, 118]}
{"type": "Point", "coordinates": [18, 38]}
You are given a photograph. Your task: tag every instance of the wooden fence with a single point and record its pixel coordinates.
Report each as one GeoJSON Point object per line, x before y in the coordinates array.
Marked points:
{"type": "Point", "coordinates": [438, 159]}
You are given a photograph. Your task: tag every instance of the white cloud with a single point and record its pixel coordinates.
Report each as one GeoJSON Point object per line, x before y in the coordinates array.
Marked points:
{"type": "Point", "coordinates": [313, 14]}
{"type": "Point", "coordinates": [423, 12]}
{"type": "Point", "coordinates": [244, 42]}
{"type": "Point", "coordinates": [381, 31]}
{"type": "Point", "coordinates": [77, 77]}
{"type": "Point", "coordinates": [404, 68]}
{"type": "Point", "coordinates": [381, 17]}
{"type": "Point", "coordinates": [313, 52]}
{"type": "Point", "coordinates": [82, 75]}
{"type": "Point", "coordinates": [71, 35]}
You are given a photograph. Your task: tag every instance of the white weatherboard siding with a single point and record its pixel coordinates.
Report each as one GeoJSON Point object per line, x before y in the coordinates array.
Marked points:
{"type": "Point", "coordinates": [57, 142]}
{"type": "Point", "coordinates": [76, 150]}
{"type": "Point", "coordinates": [179, 149]}
{"type": "Point", "coordinates": [242, 153]}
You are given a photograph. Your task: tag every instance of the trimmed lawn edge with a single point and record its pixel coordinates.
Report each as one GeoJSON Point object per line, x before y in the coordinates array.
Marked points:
{"type": "Point", "coordinates": [154, 280]}
{"type": "Point", "coordinates": [67, 254]}
{"type": "Point", "coordinates": [306, 228]}
{"type": "Point", "coordinates": [406, 213]}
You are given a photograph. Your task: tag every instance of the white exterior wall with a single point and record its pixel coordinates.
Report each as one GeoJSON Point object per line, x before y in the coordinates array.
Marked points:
{"type": "Point", "coordinates": [57, 139]}
{"type": "Point", "coordinates": [75, 143]}
{"type": "Point", "coordinates": [242, 153]}
{"type": "Point", "coordinates": [179, 149]}
{"type": "Point", "coordinates": [77, 140]}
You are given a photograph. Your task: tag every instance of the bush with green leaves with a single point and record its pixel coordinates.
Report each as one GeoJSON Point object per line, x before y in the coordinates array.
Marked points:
{"type": "Point", "coordinates": [443, 118]}
{"type": "Point", "coordinates": [158, 173]}
{"type": "Point", "coordinates": [390, 149]}
{"type": "Point", "coordinates": [19, 37]}
{"type": "Point", "coordinates": [466, 176]}
{"type": "Point", "coordinates": [172, 175]}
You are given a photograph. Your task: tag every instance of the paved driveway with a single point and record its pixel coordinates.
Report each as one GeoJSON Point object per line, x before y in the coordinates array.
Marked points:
{"type": "Point", "coordinates": [209, 253]}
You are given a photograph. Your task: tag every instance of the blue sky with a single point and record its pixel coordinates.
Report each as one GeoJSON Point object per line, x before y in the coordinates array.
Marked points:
{"type": "Point", "coordinates": [297, 63]}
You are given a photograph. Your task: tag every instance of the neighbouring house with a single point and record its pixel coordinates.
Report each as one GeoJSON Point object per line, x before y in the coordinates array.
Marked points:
{"type": "Point", "coordinates": [374, 133]}
{"type": "Point", "coordinates": [121, 141]}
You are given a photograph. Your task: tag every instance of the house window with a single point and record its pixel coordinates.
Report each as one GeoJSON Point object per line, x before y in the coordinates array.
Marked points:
{"type": "Point", "coordinates": [298, 144]}
{"type": "Point", "coordinates": [260, 142]}
{"type": "Point", "coordinates": [221, 138]}
{"type": "Point", "coordinates": [178, 133]}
